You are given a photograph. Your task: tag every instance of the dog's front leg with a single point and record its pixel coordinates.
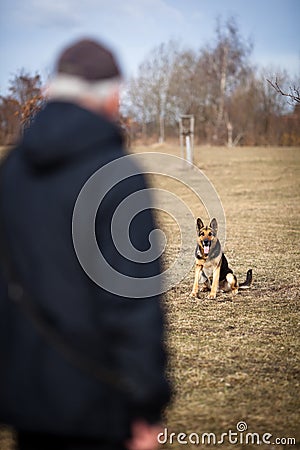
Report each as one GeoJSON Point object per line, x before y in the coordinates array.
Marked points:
{"type": "Point", "coordinates": [204, 283]}
{"type": "Point", "coordinates": [215, 282]}
{"type": "Point", "coordinates": [198, 269]}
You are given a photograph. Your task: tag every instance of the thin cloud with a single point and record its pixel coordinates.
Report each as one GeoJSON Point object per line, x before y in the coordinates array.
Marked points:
{"type": "Point", "coordinates": [73, 14]}
{"type": "Point", "coordinates": [49, 14]}
{"type": "Point", "coordinates": [143, 8]}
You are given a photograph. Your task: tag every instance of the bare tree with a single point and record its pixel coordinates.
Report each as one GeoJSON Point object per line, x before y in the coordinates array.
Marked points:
{"type": "Point", "coordinates": [18, 109]}
{"type": "Point", "coordinates": [259, 116]}
{"type": "Point", "coordinates": [23, 86]}
{"type": "Point", "coordinates": [226, 64]}
{"type": "Point", "coordinates": [148, 94]}
{"type": "Point", "coordinates": [185, 85]}
{"type": "Point", "coordinates": [26, 89]}
{"type": "Point", "coordinates": [294, 93]}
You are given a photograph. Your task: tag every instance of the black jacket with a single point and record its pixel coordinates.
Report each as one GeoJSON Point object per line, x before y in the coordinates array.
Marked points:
{"type": "Point", "coordinates": [39, 389]}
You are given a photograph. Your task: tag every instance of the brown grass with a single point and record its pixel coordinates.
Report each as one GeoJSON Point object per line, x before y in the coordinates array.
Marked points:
{"type": "Point", "coordinates": [237, 358]}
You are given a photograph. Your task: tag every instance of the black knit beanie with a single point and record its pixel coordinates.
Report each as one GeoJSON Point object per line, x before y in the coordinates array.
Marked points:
{"type": "Point", "coordinates": [89, 60]}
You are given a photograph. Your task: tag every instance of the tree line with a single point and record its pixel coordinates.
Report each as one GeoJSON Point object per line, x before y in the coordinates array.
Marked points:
{"type": "Point", "coordinates": [228, 96]}
{"type": "Point", "coordinates": [232, 101]}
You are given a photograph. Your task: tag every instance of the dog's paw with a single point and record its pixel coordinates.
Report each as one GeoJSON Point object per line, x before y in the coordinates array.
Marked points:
{"type": "Point", "coordinates": [212, 296]}
{"type": "Point", "coordinates": [194, 294]}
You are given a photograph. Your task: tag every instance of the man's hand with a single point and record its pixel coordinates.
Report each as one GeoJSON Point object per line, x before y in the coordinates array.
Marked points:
{"type": "Point", "coordinates": [144, 436]}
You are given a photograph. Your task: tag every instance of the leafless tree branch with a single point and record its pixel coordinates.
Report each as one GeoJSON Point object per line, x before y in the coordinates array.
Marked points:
{"type": "Point", "coordinates": [294, 93]}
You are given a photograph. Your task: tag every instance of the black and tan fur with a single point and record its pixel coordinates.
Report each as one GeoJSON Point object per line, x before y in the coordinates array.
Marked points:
{"type": "Point", "coordinates": [212, 272]}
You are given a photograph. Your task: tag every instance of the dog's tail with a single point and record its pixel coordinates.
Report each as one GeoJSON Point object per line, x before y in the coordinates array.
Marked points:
{"type": "Point", "coordinates": [248, 281]}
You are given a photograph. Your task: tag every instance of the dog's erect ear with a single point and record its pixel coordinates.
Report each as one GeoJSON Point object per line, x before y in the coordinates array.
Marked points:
{"type": "Point", "coordinates": [214, 225]}
{"type": "Point", "coordinates": [199, 225]}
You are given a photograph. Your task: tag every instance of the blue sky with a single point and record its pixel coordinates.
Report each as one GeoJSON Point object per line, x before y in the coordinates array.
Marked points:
{"type": "Point", "coordinates": [32, 32]}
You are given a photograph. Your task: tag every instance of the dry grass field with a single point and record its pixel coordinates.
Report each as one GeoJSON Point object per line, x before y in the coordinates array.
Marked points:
{"type": "Point", "coordinates": [237, 358]}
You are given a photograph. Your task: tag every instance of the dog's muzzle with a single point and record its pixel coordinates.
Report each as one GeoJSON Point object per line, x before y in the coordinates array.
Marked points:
{"type": "Point", "coordinates": [206, 246]}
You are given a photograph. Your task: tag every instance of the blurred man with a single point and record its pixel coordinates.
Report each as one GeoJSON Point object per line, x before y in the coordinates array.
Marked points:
{"type": "Point", "coordinates": [81, 367]}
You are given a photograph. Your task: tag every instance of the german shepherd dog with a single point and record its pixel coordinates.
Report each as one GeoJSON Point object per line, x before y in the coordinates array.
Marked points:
{"type": "Point", "coordinates": [212, 270]}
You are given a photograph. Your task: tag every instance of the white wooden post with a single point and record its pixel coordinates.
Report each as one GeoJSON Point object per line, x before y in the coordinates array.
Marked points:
{"type": "Point", "coordinates": [181, 138]}
{"type": "Point", "coordinates": [229, 134]}
{"type": "Point", "coordinates": [186, 135]}
{"type": "Point", "coordinates": [189, 154]}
